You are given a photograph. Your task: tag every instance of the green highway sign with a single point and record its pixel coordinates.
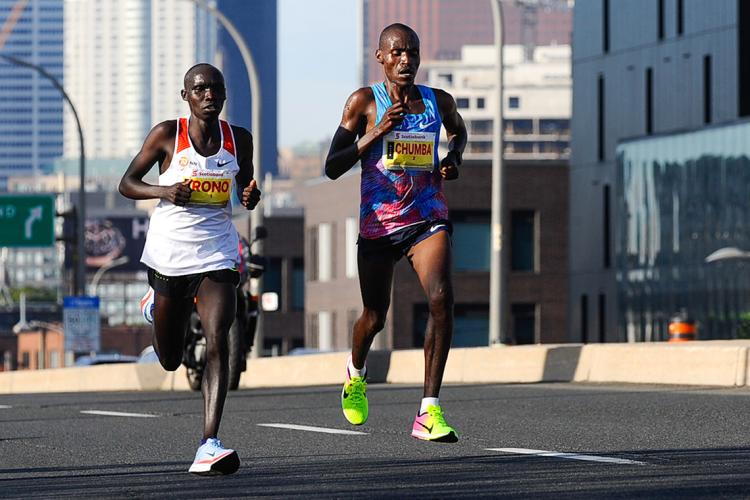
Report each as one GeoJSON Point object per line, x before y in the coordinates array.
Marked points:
{"type": "Point", "coordinates": [27, 220]}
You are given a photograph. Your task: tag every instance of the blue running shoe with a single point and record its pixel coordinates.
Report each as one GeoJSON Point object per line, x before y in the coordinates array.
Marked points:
{"type": "Point", "coordinates": [213, 459]}
{"type": "Point", "coordinates": [147, 305]}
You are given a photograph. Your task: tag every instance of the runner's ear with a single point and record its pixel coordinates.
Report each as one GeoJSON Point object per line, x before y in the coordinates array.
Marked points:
{"type": "Point", "coordinates": [379, 56]}
{"type": "Point", "coordinates": [183, 94]}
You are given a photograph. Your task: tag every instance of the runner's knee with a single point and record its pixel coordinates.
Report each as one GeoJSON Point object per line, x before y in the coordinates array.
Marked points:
{"type": "Point", "coordinates": [441, 300]}
{"type": "Point", "coordinates": [374, 321]}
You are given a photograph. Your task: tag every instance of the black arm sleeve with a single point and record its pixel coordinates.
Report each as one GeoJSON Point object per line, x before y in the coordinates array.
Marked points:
{"type": "Point", "coordinates": [343, 153]}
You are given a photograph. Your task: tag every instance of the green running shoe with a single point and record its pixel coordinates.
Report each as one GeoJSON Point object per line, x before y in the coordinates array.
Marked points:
{"type": "Point", "coordinates": [354, 399]}
{"type": "Point", "coordinates": [431, 426]}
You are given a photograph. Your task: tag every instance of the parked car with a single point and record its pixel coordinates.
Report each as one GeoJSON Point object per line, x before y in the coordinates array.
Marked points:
{"type": "Point", "coordinates": [105, 359]}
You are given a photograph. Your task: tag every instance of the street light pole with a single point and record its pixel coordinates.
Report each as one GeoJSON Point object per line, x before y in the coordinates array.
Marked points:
{"type": "Point", "coordinates": [498, 289]}
{"type": "Point", "coordinates": [100, 272]}
{"type": "Point", "coordinates": [79, 277]}
{"type": "Point", "coordinates": [256, 216]}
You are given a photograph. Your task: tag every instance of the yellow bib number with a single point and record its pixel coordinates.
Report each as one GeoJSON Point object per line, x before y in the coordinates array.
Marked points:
{"type": "Point", "coordinates": [210, 191]}
{"type": "Point", "coordinates": [409, 150]}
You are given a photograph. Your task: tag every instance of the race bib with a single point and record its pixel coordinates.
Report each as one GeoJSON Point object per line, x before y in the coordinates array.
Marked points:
{"type": "Point", "coordinates": [209, 191]}
{"type": "Point", "coordinates": [409, 150]}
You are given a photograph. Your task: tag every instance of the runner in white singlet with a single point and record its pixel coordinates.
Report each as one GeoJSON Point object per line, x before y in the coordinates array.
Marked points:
{"type": "Point", "coordinates": [191, 246]}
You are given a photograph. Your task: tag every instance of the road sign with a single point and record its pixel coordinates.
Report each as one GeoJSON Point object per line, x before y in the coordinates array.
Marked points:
{"type": "Point", "coordinates": [81, 323]}
{"type": "Point", "coordinates": [27, 220]}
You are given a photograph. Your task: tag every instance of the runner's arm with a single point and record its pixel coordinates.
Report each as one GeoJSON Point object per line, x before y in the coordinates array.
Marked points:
{"type": "Point", "coordinates": [455, 129]}
{"type": "Point", "coordinates": [156, 148]}
{"type": "Point", "coordinates": [247, 190]}
{"type": "Point", "coordinates": [345, 149]}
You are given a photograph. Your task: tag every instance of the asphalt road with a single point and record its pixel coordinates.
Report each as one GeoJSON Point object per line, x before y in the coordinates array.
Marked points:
{"type": "Point", "coordinates": [519, 441]}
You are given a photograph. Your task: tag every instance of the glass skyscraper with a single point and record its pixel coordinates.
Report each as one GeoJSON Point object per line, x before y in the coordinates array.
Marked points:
{"type": "Point", "coordinates": [31, 109]}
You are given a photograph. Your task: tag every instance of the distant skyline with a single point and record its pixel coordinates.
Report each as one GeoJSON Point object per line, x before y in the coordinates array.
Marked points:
{"type": "Point", "coordinates": [318, 58]}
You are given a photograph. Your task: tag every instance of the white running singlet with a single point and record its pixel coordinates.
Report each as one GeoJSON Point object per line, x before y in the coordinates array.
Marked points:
{"type": "Point", "coordinates": [200, 236]}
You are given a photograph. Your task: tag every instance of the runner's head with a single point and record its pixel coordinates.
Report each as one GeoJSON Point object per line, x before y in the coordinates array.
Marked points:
{"type": "Point", "coordinates": [204, 91]}
{"type": "Point", "coordinates": [398, 52]}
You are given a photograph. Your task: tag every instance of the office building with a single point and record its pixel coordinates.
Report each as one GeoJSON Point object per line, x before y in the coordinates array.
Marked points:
{"type": "Point", "coordinates": [658, 167]}
{"type": "Point", "coordinates": [31, 128]}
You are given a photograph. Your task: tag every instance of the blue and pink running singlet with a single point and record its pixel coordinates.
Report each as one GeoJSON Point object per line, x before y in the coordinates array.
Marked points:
{"type": "Point", "coordinates": [401, 184]}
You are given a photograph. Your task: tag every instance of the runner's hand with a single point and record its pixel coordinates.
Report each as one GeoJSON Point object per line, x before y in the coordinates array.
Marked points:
{"type": "Point", "coordinates": [178, 193]}
{"type": "Point", "coordinates": [392, 118]}
{"type": "Point", "coordinates": [448, 168]}
{"type": "Point", "coordinates": [251, 195]}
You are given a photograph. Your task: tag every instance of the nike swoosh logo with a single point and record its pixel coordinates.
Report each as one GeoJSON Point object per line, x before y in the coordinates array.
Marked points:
{"type": "Point", "coordinates": [423, 126]}
{"type": "Point", "coordinates": [211, 453]}
{"type": "Point", "coordinates": [220, 164]}
{"type": "Point", "coordinates": [435, 228]}
{"type": "Point", "coordinates": [429, 429]}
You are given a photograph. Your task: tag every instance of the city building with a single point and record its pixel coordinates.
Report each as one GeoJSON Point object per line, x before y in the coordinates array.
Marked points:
{"type": "Point", "coordinates": [31, 127]}
{"type": "Point", "coordinates": [124, 63]}
{"type": "Point", "coordinates": [445, 26]}
{"type": "Point", "coordinates": [257, 23]}
{"type": "Point", "coordinates": [658, 167]}
{"type": "Point", "coordinates": [536, 107]}
{"type": "Point", "coordinates": [536, 211]}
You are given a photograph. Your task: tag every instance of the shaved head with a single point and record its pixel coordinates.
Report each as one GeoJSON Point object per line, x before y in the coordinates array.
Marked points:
{"type": "Point", "coordinates": [199, 68]}
{"type": "Point", "coordinates": [393, 29]}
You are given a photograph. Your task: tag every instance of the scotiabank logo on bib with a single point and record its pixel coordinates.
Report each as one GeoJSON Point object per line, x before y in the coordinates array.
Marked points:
{"type": "Point", "coordinates": [207, 191]}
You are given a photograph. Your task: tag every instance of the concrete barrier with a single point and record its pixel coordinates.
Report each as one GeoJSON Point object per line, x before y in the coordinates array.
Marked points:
{"type": "Point", "coordinates": [711, 363]}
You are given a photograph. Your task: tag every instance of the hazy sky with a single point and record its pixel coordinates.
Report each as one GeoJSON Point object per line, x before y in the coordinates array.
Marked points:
{"type": "Point", "coordinates": [317, 66]}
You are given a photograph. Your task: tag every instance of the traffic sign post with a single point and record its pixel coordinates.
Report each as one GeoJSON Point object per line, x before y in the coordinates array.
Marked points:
{"type": "Point", "coordinates": [81, 324]}
{"type": "Point", "coordinates": [27, 220]}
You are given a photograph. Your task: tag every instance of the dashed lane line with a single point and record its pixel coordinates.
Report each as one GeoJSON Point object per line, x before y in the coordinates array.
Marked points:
{"type": "Point", "coordinates": [118, 414]}
{"type": "Point", "coordinates": [310, 428]}
{"type": "Point", "coordinates": [568, 456]}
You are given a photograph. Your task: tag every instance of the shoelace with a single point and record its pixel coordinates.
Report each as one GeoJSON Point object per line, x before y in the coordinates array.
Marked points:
{"type": "Point", "coordinates": [437, 415]}
{"type": "Point", "coordinates": [357, 393]}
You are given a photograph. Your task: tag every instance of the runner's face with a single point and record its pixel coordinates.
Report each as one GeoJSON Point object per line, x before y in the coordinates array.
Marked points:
{"type": "Point", "coordinates": [205, 94]}
{"type": "Point", "coordinates": [400, 58]}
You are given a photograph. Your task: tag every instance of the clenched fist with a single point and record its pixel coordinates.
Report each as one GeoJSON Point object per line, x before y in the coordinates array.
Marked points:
{"type": "Point", "coordinates": [250, 195]}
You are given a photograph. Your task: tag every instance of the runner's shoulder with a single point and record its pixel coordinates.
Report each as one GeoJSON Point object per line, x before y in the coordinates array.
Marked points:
{"type": "Point", "coordinates": [443, 98]}
{"type": "Point", "coordinates": [360, 100]}
{"type": "Point", "coordinates": [241, 133]}
{"type": "Point", "coordinates": [164, 134]}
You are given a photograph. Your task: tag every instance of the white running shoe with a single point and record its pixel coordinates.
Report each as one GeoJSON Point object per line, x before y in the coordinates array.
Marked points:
{"type": "Point", "coordinates": [147, 305]}
{"type": "Point", "coordinates": [213, 459]}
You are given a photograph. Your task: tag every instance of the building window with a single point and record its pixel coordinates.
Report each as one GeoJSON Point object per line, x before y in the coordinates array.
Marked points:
{"type": "Point", "coordinates": [462, 102]}
{"type": "Point", "coordinates": [554, 126]}
{"type": "Point", "coordinates": [600, 117]}
{"type": "Point", "coordinates": [649, 101]}
{"type": "Point", "coordinates": [25, 360]}
{"type": "Point", "coordinates": [446, 78]}
{"type": "Point", "coordinates": [743, 30]}
{"type": "Point", "coordinates": [522, 240]}
{"type": "Point", "coordinates": [480, 127]}
{"type": "Point", "coordinates": [524, 323]}
{"type": "Point", "coordinates": [514, 102]}
{"type": "Point", "coordinates": [681, 17]}
{"type": "Point", "coordinates": [605, 25]}
{"type": "Point", "coordinates": [272, 277]}
{"type": "Point", "coordinates": [312, 256]}
{"type": "Point", "coordinates": [298, 284]}
{"type": "Point", "coordinates": [707, 89]}
{"type": "Point", "coordinates": [602, 318]}
{"type": "Point", "coordinates": [471, 325]}
{"type": "Point", "coordinates": [660, 19]}
{"type": "Point", "coordinates": [352, 232]}
{"type": "Point", "coordinates": [480, 102]}
{"type": "Point", "coordinates": [325, 251]}
{"type": "Point", "coordinates": [584, 318]}
{"type": "Point", "coordinates": [471, 241]}
{"type": "Point", "coordinates": [606, 228]}
{"type": "Point", "coordinates": [518, 127]}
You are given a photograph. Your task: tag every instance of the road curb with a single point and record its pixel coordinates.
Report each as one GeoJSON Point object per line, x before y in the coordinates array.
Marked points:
{"type": "Point", "coordinates": [710, 363]}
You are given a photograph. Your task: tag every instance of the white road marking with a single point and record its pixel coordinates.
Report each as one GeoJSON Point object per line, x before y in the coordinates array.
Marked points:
{"type": "Point", "coordinates": [5, 407]}
{"type": "Point", "coordinates": [569, 456]}
{"type": "Point", "coordinates": [118, 414]}
{"type": "Point", "coordinates": [312, 429]}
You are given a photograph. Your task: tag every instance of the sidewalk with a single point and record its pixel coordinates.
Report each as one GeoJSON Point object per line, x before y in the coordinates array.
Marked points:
{"type": "Point", "coordinates": [712, 363]}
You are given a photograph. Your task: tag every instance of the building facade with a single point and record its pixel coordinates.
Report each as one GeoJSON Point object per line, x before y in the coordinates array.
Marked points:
{"type": "Point", "coordinates": [537, 279]}
{"type": "Point", "coordinates": [31, 127]}
{"type": "Point", "coordinates": [445, 26]}
{"type": "Point", "coordinates": [644, 69]}
{"type": "Point", "coordinates": [536, 107]}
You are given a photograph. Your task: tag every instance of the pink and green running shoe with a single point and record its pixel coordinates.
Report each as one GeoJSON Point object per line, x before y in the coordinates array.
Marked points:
{"type": "Point", "coordinates": [354, 399]}
{"type": "Point", "coordinates": [431, 426]}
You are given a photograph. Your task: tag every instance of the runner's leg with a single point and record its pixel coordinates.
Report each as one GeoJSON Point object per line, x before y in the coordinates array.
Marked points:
{"type": "Point", "coordinates": [216, 307]}
{"type": "Point", "coordinates": [431, 259]}
{"type": "Point", "coordinates": [171, 320]}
